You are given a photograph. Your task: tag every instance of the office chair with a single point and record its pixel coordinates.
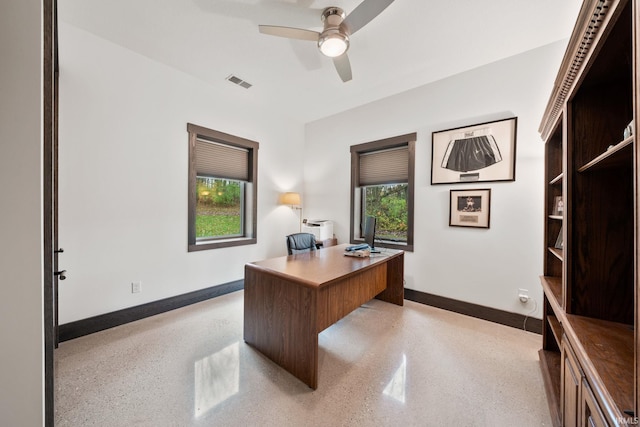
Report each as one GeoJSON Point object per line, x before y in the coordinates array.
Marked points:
{"type": "Point", "coordinates": [301, 242]}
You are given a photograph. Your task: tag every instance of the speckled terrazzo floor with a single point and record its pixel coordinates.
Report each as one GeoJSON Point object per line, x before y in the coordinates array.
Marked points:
{"type": "Point", "coordinates": [382, 365]}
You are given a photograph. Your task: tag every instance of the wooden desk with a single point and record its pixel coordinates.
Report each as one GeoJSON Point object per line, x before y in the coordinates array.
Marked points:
{"type": "Point", "coordinates": [289, 300]}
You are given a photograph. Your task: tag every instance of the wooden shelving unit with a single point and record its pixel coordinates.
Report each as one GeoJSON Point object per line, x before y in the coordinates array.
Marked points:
{"type": "Point", "coordinates": [591, 284]}
{"type": "Point", "coordinates": [558, 253]}
{"type": "Point", "coordinates": [557, 180]}
{"type": "Point", "coordinates": [552, 287]}
{"type": "Point", "coordinates": [619, 155]}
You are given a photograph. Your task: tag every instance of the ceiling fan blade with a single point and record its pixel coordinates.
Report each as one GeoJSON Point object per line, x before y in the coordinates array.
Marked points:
{"type": "Point", "coordinates": [343, 66]}
{"type": "Point", "coordinates": [290, 33]}
{"type": "Point", "coordinates": [364, 13]}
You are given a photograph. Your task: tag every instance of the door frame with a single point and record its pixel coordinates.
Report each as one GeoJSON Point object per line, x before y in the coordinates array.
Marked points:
{"type": "Point", "coordinates": [49, 194]}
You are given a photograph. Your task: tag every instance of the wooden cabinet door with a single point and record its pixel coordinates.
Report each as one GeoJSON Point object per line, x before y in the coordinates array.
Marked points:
{"type": "Point", "coordinates": [591, 414]}
{"type": "Point", "coordinates": [570, 387]}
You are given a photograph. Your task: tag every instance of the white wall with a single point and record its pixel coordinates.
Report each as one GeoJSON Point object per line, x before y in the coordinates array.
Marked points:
{"type": "Point", "coordinates": [21, 303]}
{"type": "Point", "coordinates": [123, 177]}
{"type": "Point", "coordinates": [485, 267]}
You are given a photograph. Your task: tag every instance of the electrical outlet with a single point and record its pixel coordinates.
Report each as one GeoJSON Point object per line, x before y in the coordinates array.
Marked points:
{"type": "Point", "coordinates": [136, 287]}
{"type": "Point", "coordinates": [523, 295]}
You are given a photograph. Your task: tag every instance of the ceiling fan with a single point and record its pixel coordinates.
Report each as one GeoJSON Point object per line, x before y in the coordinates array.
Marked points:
{"type": "Point", "coordinates": [333, 41]}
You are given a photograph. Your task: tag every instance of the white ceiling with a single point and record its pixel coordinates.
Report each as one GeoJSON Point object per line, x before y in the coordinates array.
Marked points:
{"type": "Point", "coordinates": [413, 42]}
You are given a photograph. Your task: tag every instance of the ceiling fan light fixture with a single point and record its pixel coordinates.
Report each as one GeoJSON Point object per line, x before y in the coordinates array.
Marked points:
{"type": "Point", "coordinates": [333, 43]}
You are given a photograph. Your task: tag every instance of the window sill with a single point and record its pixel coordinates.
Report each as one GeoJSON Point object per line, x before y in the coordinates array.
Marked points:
{"type": "Point", "coordinates": [202, 246]}
{"type": "Point", "coordinates": [399, 246]}
{"type": "Point", "coordinates": [390, 245]}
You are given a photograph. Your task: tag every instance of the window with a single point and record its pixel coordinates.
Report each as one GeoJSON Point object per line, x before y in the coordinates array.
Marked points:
{"type": "Point", "coordinates": [222, 189]}
{"type": "Point", "coordinates": [382, 185]}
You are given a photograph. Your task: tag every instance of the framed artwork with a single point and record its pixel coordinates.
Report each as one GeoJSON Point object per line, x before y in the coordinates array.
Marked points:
{"type": "Point", "coordinates": [470, 208]}
{"type": "Point", "coordinates": [559, 241]}
{"type": "Point", "coordinates": [484, 152]}
{"type": "Point", "coordinates": [558, 206]}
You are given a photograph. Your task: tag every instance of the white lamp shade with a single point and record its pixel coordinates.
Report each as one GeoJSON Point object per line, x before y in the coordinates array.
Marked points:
{"type": "Point", "coordinates": [291, 198]}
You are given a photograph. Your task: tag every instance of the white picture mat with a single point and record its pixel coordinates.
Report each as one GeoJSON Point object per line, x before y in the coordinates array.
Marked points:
{"type": "Point", "coordinates": [460, 218]}
{"type": "Point", "coordinates": [504, 133]}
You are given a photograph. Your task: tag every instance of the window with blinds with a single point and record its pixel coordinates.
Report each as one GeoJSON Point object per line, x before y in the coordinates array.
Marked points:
{"type": "Point", "coordinates": [222, 195]}
{"type": "Point", "coordinates": [382, 186]}
{"type": "Point", "coordinates": [384, 166]}
{"type": "Point", "coordinates": [222, 161]}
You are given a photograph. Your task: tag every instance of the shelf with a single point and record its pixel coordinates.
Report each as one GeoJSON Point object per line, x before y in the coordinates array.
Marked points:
{"type": "Point", "coordinates": [609, 350]}
{"type": "Point", "coordinates": [551, 373]}
{"type": "Point", "coordinates": [619, 154]}
{"type": "Point", "coordinates": [556, 328]}
{"type": "Point", "coordinates": [557, 179]}
{"type": "Point", "coordinates": [559, 253]}
{"type": "Point", "coordinates": [552, 287]}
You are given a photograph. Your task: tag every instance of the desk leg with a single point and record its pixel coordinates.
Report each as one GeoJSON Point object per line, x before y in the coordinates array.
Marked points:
{"type": "Point", "coordinates": [395, 281]}
{"type": "Point", "coordinates": [280, 322]}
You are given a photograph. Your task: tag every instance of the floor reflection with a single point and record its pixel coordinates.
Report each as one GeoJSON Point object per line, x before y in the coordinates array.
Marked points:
{"type": "Point", "coordinates": [217, 378]}
{"type": "Point", "coordinates": [397, 386]}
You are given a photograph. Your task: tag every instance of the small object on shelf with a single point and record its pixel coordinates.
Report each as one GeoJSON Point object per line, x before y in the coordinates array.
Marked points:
{"type": "Point", "coordinates": [558, 206]}
{"type": "Point", "coordinates": [629, 130]}
{"type": "Point", "coordinates": [559, 241]}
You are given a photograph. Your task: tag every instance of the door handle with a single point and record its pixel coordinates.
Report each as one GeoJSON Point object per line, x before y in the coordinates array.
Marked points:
{"type": "Point", "coordinates": [59, 251]}
{"type": "Point", "coordinates": [61, 274]}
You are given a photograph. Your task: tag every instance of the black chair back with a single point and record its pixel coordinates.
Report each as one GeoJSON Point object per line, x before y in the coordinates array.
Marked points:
{"type": "Point", "coordinates": [301, 242]}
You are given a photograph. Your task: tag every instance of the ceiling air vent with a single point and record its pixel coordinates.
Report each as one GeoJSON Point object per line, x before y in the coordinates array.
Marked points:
{"type": "Point", "coordinates": [237, 80]}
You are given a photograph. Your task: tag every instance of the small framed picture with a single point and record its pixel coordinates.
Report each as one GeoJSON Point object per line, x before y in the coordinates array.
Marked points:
{"type": "Point", "coordinates": [560, 240]}
{"type": "Point", "coordinates": [470, 208]}
{"type": "Point", "coordinates": [483, 152]}
{"type": "Point", "coordinates": [558, 206]}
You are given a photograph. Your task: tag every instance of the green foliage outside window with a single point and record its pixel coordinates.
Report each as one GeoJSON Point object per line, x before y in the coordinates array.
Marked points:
{"type": "Point", "coordinates": [388, 203]}
{"type": "Point", "coordinates": [218, 207]}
